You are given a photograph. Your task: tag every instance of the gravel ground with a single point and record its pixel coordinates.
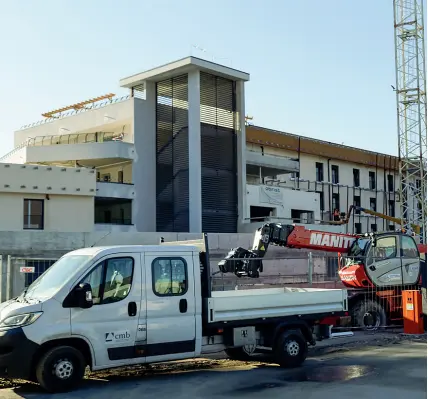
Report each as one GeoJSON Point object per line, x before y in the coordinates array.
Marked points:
{"type": "Point", "coordinates": [220, 361]}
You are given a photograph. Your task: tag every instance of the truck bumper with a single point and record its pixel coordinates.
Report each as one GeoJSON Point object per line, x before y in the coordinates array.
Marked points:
{"type": "Point", "coordinates": [16, 354]}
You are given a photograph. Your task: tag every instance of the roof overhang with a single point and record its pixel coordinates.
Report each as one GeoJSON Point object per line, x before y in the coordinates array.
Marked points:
{"type": "Point", "coordinates": [185, 65]}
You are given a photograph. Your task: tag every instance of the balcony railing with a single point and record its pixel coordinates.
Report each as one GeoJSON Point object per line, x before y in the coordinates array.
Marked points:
{"type": "Point", "coordinates": [75, 138]}
{"type": "Point", "coordinates": [77, 111]}
{"type": "Point", "coordinates": [272, 155]}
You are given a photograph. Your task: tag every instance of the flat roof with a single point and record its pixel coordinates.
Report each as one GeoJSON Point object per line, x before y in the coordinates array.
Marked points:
{"type": "Point", "coordinates": [180, 67]}
{"type": "Point", "coordinates": [111, 249]}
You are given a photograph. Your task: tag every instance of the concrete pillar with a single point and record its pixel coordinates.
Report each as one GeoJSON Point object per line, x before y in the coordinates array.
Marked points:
{"type": "Point", "coordinates": [241, 149]}
{"type": "Point", "coordinates": [144, 164]}
{"type": "Point", "coordinates": [3, 278]}
{"type": "Point", "coordinates": [9, 278]}
{"type": "Point", "coordinates": [195, 182]}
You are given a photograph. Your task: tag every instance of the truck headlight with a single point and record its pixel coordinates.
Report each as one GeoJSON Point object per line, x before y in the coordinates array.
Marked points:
{"type": "Point", "coordinates": [19, 320]}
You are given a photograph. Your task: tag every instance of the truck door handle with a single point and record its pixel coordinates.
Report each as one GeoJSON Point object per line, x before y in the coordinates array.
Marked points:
{"type": "Point", "coordinates": [132, 308]}
{"type": "Point", "coordinates": [183, 305]}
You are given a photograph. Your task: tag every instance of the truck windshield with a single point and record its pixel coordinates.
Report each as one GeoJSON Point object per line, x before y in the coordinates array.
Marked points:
{"type": "Point", "coordinates": [56, 276]}
{"type": "Point", "coordinates": [358, 247]}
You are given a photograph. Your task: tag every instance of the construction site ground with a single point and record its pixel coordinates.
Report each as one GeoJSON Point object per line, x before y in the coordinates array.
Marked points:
{"type": "Point", "coordinates": [368, 365]}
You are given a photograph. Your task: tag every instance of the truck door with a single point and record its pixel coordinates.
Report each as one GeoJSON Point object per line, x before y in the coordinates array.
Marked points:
{"type": "Point", "coordinates": [171, 310]}
{"type": "Point", "coordinates": [410, 260]}
{"type": "Point", "coordinates": [110, 325]}
{"type": "Point", "coordinates": [383, 262]}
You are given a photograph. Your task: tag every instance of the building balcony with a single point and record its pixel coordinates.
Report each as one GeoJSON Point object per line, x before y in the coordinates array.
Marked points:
{"type": "Point", "coordinates": [269, 165]}
{"type": "Point", "coordinates": [102, 116]}
{"type": "Point", "coordinates": [115, 190]}
{"type": "Point", "coordinates": [89, 149]}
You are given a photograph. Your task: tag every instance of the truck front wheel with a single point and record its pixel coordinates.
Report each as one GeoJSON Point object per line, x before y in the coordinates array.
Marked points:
{"type": "Point", "coordinates": [60, 369]}
{"type": "Point", "coordinates": [291, 349]}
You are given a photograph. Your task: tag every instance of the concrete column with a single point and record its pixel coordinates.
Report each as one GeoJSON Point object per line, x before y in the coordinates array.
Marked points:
{"type": "Point", "coordinates": [3, 278]}
{"type": "Point", "coordinates": [241, 149]}
{"type": "Point", "coordinates": [9, 278]}
{"type": "Point", "coordinates": [195, 182]}
{"type": "Point", "coordinates": [144, 164]}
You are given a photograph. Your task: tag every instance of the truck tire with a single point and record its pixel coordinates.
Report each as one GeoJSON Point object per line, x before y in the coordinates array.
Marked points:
{"type": "Point", "coordinates": [290, 349]}
{"type": "Point", "coordinates": [60, 369]}
{"type": "Point", "coordinates": [368, 314]}
{"type": "Point", "coordinates": [242, 353]}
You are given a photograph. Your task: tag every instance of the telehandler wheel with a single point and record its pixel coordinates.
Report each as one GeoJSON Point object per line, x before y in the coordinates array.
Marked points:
{"type": "Point", "coordinates": [368, 314]}
{"type": "Point", "coordinates": [290, 349]}
{"type": "Point", "coordinates": [60, 369]}
{"type": "Point", "coordinates": [242, 353]}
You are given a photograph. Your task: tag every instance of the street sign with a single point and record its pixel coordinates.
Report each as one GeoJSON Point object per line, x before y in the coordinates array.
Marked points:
{"type": "Point", "coordinates": [27, 269]}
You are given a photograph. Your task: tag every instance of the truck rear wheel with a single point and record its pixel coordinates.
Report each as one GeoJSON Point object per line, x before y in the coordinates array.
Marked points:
{"type": "Point", "coordinates": [242, 353]}
{"type": "Point", "coordinates": [60, 369]}
{"type": "Point", "coordinates": [291, 349]}
{"type": "Point", "coordinates": [368, 314]}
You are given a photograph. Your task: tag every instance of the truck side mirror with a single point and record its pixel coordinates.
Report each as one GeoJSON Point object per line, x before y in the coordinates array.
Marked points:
{"type": "Point", "coordinates": [83, 295]}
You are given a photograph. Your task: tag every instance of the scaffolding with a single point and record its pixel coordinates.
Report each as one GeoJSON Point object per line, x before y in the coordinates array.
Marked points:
{"type": "Point", "coordinates": [411, 111]}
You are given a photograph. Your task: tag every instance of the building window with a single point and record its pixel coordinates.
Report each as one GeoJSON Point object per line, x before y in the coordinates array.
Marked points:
{"type": "Point", "coordinates": [373, 227]}
{"type": "Point", "coordinates": [98, 176]}
{"type": "Point", "coordinates": [358, 229]}
{"type": "Point", "coordinates": [33, 214]}
{"type": "Point", "coordinates": [319, 168]}
{"type": "Point", "coordinates": [356, 173]}
{"type": "Point", "coordinates": [322, 208]}
{"type": "Point", "coordinates": [391, 227]}
{"type": "Point", "coordinates": [169, 276]}
{"type": "Point", "coordinates": [390, 183]}
{"type": "Point", "coordinates": [106, 177]}
{"type": "Point", "coordinates": [120, 176]}
{"type": "Point", "coordinates": [391, 208]}
{"type": "Point", "coordinates": [336, 201]}
{"type": "Point", "coordinates": [357, 202]}
{"type": "Point", "coordinates": [335, 174]}
{"type": "Point", "coordinates": [372, 181]}
{"type": "Point", "coordinates": [373, 204]}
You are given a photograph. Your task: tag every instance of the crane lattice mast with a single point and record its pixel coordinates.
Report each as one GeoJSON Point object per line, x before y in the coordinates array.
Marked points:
{"type": "Point", "coordinates": [411, 111]}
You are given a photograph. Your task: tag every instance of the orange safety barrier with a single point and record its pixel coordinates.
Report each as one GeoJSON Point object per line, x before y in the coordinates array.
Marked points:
{"type": "Point", "coordinates": [412, 312]}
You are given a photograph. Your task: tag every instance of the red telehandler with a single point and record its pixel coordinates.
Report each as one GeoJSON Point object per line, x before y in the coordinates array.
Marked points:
{"type": "Point", "coordinates": [374, 266]}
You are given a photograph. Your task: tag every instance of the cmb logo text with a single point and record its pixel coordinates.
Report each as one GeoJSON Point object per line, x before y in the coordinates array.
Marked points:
{"type": "Point", "coordinates": [117, 336]}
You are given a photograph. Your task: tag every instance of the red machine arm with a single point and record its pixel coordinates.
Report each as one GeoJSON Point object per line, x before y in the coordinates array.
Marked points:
{"type": "Point", "coordinates": [245, 262]}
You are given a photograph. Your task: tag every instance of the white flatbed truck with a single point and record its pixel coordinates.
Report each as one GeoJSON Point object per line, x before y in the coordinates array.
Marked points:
{"type": "Point", "coordinates": [108, 307]}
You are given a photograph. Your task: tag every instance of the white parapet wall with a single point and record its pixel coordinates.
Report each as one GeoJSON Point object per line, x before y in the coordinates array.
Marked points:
{"type": "Point", "coordinates": [65, 198]}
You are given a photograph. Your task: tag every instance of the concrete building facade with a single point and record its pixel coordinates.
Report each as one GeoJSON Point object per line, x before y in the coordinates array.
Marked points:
{"type": "Point", "coordinates": [46, 198]}
{"type": "Point", "coordinates": [176, 155]}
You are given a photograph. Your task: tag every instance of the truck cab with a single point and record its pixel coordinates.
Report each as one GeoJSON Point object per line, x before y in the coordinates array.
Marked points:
{"type": "Point", "coordinates": [120, 312]}
{"type": "Point", "coordinates": [381, 260]}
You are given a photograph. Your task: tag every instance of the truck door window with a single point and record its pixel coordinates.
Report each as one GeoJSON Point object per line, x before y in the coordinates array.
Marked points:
{"type": "Point", "coordinates": [409, 247]}
{"type": "Point", "coordinates": [111, 280]}
{"type": "Point", "coordinates": [118, 279]}
{"type": "Point", "coordinates": [169, 276]}
{"type": "Point", "coordinates": [386, 247]}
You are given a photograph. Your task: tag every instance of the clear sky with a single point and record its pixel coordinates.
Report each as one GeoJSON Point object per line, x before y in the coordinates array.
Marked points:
{"type": "Point", "coordinates": [319, 68]}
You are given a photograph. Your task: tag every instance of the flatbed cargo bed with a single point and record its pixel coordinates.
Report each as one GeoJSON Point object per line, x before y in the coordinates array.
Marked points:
{"type": "Point", "coordinates": [226, 306]}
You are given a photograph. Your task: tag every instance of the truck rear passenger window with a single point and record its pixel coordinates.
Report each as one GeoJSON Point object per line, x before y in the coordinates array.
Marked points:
{"type": "Point", "coordinates": [169, 276]}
